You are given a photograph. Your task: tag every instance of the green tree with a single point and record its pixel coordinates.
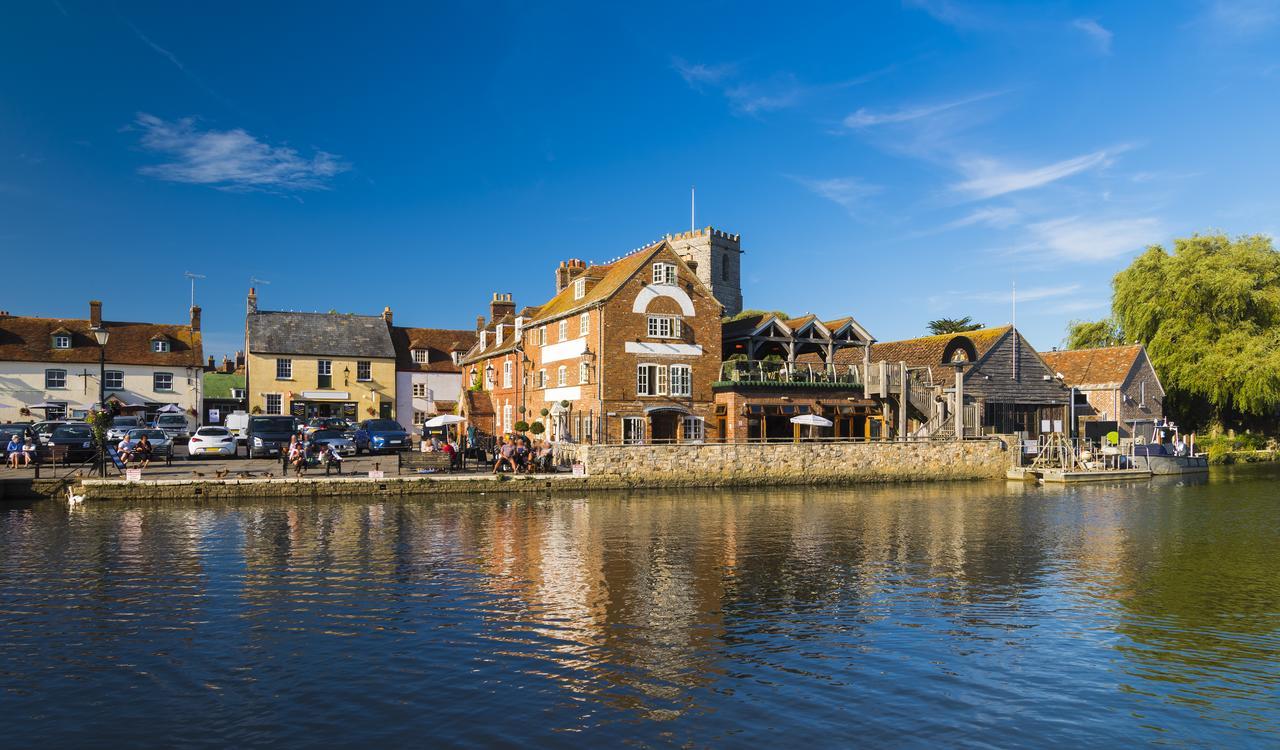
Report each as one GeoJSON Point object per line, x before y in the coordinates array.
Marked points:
{"type": "Point", "coordinates": [953, 325]}
{"type": "Point", "coordinates": [1093, 334]}
{"type": "Point", "coordinates": [1209, 315]}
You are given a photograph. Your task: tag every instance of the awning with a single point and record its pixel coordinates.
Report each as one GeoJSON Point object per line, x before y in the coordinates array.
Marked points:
{"type": "Point", "coordinates": [673, 407]}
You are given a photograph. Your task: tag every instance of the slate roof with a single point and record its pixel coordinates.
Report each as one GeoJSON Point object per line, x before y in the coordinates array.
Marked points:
{"type": "Point", "coordinates": [320, 334]}
{"type": "Point", "coordinates": [439, 343]}
{"type": "Point", "coordinates": [1107, 367]}
{"type": "Point", "coordinates": [27, 339]}
{"type": "Point", "coordinates": [218, 385]}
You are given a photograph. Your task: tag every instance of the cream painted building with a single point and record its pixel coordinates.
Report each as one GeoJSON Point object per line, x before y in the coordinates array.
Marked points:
{"type": "Point", "coordinates": [319, 364]}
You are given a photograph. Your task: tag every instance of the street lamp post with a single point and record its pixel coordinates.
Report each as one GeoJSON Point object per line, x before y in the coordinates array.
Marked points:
{"type": "Point", "coordinates": [101, 334]}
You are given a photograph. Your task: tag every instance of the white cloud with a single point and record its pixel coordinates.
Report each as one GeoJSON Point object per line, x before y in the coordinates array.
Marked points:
{"type": "Point", "coordinates": [847, 192]}
{"type": "Point", "coordinates": [1030, 294]}
{"type": "Point", "coordinates": [1095, 31]}
{"type": "Point", "coordinates": [697, 74]}
{"type": "Point", "coordinates": [780, 92]}
{"type": "Point", "coordinates": [1085, 239]}
{"type": "Point", "coordinates": [231, 159]}
{"type": "Point", "coordinates": [1244, 17]}
{"type": "Point", "coordinates": [998, 217]}
{"type": "Point", "coordinates": [864, 118]}
{"type": "Point", "coordinates": [988, 178]}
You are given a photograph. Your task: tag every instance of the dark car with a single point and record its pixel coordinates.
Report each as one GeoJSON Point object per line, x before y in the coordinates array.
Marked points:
{"type": "Point", "coordinates": [21, 429]}
{"type": "Point", "coordinates": [326, 423]}
{"type": "Point", "coordinates": [381, 435]}
{"type": "Point", "coordinates": [268, 436]}
{"type": "Point", "coordinates": [78, 439]}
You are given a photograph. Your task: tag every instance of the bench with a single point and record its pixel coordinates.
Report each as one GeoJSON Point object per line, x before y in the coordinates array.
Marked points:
{"type": "Point", "coordinates": [416, 460]}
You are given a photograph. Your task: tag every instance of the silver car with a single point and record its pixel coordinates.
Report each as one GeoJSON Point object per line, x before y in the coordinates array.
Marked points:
{"type": "Point", "coordinates": [161, 444]}
{"type": "Point", "coordinates": [344, 445]}
{"type": "Point", "coordinates": [121, 426]}
{"type": "Point", "coordinates": [212, 442]}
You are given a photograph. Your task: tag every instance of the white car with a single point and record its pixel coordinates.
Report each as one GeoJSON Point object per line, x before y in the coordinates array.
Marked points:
{"type": "Point", "coordinates": [211, 442]}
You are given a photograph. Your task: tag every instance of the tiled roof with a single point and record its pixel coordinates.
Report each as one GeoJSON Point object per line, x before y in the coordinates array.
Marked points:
{"type": "Point", "coordinates": [495, 347]}
{"type": "Point", "coordinates": [439, 343]}
{"type": "Point", "coordinates": [477, 404]}
{"type": "Point", "coordinates": [1108, 366]}
{"type": "Point", "coordinates": [319, 334]}
{"type": "Point", "coordinates": [602, 282]}
{"type": "Point", "coordinates": [926, 351]}
{"type": "Point", "coordinates": [219, 384]}
{"type": "Point", "coordinates": [24, 339]}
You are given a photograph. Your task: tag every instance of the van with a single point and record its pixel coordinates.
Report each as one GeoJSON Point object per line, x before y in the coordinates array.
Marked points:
{"type": "Point", "coordinates": [238, 423]}
{"type": "Point", "coordinates": [269, 435]}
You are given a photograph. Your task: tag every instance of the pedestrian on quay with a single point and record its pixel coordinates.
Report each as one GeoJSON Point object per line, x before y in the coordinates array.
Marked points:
{"type": "Point", "coordinates": [506, 455]}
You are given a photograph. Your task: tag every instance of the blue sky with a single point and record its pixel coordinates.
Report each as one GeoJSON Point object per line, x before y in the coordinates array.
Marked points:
{"type": "Point", "coordinates": [897, 161]}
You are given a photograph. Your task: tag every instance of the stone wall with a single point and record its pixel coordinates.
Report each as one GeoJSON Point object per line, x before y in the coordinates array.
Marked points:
{"type": "Point", "coordinates": [790, 463]}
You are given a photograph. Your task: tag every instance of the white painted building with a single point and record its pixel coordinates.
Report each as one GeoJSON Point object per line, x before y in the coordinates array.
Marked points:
{"type": "Point", "coordinates": [428, 376]}
{"type": "Point", "coordinates": [55, 361]}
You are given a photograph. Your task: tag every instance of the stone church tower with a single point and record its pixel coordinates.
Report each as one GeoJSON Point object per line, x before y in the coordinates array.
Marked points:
{"type": "Point", "coordinates": [718, 256]}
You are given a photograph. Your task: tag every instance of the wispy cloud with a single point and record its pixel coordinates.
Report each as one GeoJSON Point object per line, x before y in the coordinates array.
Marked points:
{"type": "Point", "coordinates": [865, 118]}
{"type": "Point", "coordinates": [1243, 17]}
{"type": "Point", "coordinates": [1095, 31]}
{"type": "Point", "coordinates": [998, 217]}
{"type": "Point", "coordinates": [988, 178]}
{"type": "Point", "coordinates": [947, 11]}
{"type": "Point", "coordinates": [779, 92]}
{"type": "Point", "coordinates": [172, 58]}
{"type": "Point", "coordinates": [698, 74]}
{"type": "Point", "coordinates": [1031, 294]}
{"type": "Point", "coordinates": [1088, 239]}
{"type": "Point", "coordinates": [847, 192]}
{"type": "Point", "coordinates": [231, 159]}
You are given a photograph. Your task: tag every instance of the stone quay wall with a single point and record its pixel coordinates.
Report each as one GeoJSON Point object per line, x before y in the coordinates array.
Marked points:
{"type": "Point", "coordinates": [746, 464]}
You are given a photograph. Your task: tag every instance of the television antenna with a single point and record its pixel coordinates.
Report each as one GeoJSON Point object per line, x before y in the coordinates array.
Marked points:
{"type": "Point", "coordinates": [193, 277]}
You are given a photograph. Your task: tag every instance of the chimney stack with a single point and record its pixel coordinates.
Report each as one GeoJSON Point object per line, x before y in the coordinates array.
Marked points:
{"type": "Point", "coordinates": [567, 271]}
{"type": "Point", "coordinates": [501, 305]}
{"type": "Point", "coordinates": [479, 323]}
{"type": "Point", "coordinates": [239, 360]}
{"type": "Point", "coordinates": [211, 366]}
{"type": "Point", "coordinates": [227, 365]}
{"type": "Point", "coordinates": [251, 304]}
{"type": "Point", "coordinates": [195, 318]}
{"type": "Point", "coordinates": [386, 314]}
{"type": "Point", "coordinates": [95, 313]}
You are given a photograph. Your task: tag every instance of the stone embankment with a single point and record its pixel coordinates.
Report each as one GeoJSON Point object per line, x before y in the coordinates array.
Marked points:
{"type": "Point", "coordinates": [610, 467]}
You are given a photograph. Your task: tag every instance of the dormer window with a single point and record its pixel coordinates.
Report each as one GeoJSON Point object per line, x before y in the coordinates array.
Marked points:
{"type": "Point", "coordinates": [159, 346]}
{"type": "Point", "coordinates": [61, 341]}
{"type": "Point", "coordinates": [419, 356]}
{"type": "Point", "coordinates": [579, 288]}
{"type": "Point", "coordinates": [664, 273]}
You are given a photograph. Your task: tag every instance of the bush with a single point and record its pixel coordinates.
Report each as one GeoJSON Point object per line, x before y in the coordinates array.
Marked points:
{"type": "Point", "coordinates": [537, 428]}
{"type": "Point", "coordinates": [522, 426]}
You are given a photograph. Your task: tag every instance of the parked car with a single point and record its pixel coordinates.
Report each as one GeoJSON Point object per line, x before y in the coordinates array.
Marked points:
{"type": "Point", "coordinates": [120, 426]}
{"type": "Point", "coordinates": [77, 437]}
{"type": "Point", "coordinates": [344, 445]}
{"type": "Point", "coordinates": [21, 429]}
{"type": "Point", "coordinates": [161, 445]}
{"type": "Point", "coordinates": [326, 423]}
{"type": "Point", "coordinates": [268, 436]}
{"type": "Point", "coordinates": [174, 425]}
{"type": "Point", "coordinates": [379, 435]}
{"type": "Point", "coordinates": [45, 429]}
{"type": "Point", "coordinates": [238, 423]}
{"type": "Point", "coordinates": [211, 442]}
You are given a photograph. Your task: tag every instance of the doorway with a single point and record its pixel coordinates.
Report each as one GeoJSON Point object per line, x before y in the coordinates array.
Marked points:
{"type": "Point", "coordinates": [662, 426]}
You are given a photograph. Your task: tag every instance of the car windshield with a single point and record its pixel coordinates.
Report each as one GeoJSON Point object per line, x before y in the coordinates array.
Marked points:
{"type": "Point", "coordinates": [272, 424]}
{"type": "Point", "coordinates": [328, 435]}
{"type": "Point", "coordinates": [47, 427]}
{"type": "Point", "coordinates": [384, 425]}
{"type": "Point", "coordinates": [73, 431]}
{"type": "Point", "coordinates": [14, 429]}
{"type": "Point", "coordinates": [171, 419]}
{"type": "Point", "coordinates": [125, 422]}
{"type": "Point", "coordinates": [152, 435]}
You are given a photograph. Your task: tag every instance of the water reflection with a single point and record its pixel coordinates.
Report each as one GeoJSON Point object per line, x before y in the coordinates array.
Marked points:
{"type": "Point", "coordinates": [965, 614]}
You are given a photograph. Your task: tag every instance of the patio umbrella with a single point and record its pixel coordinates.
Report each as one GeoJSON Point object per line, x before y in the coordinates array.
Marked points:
{"type": "Point", "coordinates": [44, 405]}
{"type": "Point", "coordinates": [169, 409]}
{"type": "Point", "coordinates": [443, 419]}
{"type": "Point", "coordinates": [813, 420]}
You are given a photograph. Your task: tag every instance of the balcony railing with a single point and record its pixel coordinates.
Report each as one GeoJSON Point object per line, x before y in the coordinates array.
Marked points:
{"type": "Point", "coordinates": [784, 374]}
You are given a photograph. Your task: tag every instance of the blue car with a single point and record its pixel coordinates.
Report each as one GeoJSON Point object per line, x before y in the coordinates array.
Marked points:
{"type": "Point", "coordinates": [381, 436]}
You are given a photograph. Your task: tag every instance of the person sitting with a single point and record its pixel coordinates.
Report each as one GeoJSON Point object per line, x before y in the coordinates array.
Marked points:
{"type": "Point", "coordinates": [297, 457]}
{"type": "Point", "coordinates": [124, 449]}
{"type": "Point", "coordinates": [28, 451]}
{"type": "Point", "coordinates": [506, 454]}
{"type": "Point", "coordinates": [143, 451]}
{"type": "Point", "coordinates": [13, 451]}
{"type": "Point", "coordinates": [331, 457]}
{"type": "Point", "coordinates": [449, 450]}
{"type": "Point", "coordinates": [521, 456]}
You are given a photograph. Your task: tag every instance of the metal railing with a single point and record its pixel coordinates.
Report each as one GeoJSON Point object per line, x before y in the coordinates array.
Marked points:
{"type": "Point", "coordinates": [760, 372]}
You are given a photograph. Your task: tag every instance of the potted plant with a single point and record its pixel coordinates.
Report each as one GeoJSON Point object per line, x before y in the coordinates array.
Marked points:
{"type": "Point", "coordinates": [545, 412]}
{"type": "Point", "coordinates": [521, 426]}
{"type": "Point", "coordinates": [256, 410]}
{"type": "Point", "coordinates": [537, 428]}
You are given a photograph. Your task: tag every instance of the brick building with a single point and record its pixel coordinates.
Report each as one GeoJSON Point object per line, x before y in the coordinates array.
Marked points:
{"type": "Point", "coordinates": [1111, 384]}
{"type": "Point", "coordinates": [624, 352]}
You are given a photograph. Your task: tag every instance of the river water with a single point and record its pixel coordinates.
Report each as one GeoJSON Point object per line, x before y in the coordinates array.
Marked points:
{"type": "Point", "coordinates": [958, 615]}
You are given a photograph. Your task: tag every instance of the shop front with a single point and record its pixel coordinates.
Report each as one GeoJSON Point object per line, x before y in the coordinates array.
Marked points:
{"type": "Point", "coordinates": [324, 404]}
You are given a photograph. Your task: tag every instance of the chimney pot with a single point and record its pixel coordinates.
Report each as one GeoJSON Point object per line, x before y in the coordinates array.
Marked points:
{"type": "Point", "coordinates": [95, 313]}
{"type": "Point", "coordinates": [251, 303]}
